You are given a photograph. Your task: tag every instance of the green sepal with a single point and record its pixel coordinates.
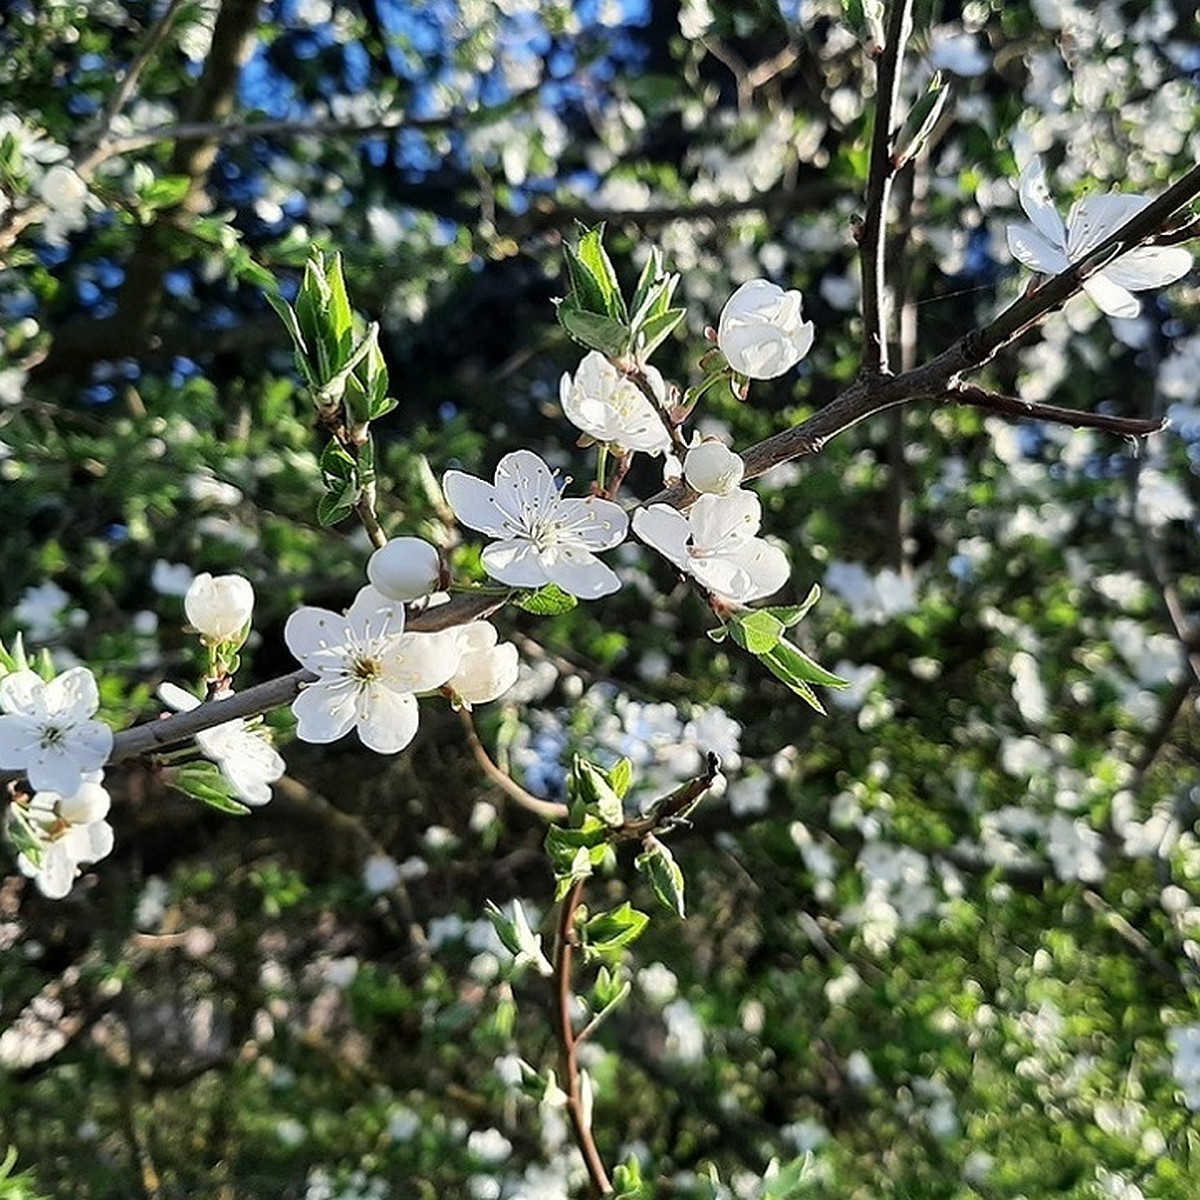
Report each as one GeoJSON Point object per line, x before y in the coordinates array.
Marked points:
{"type": "Point", "coordinates": [203, 781]}
{"type": "Point", "coordinates": [663, 874]}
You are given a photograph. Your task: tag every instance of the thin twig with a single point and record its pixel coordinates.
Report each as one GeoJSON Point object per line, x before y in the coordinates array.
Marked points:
{"type": "Point", "coordinates": [880, 172]}
{"type": "Point", "coordinates": [548, 810]}
{"type": "Point", "coordinates": [1014, 406]}
{"type": "Point", "coordinates": [568, 1042]}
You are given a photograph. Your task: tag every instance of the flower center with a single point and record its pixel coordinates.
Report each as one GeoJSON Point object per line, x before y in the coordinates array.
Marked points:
{"type": "Point", "coordinates": [364, 669]}
{"type": "Point", "coordinates": [53, 736]}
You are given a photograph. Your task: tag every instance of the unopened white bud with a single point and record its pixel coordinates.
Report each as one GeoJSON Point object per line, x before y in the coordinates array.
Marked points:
{"type": "Point", "coordinates": [713, 467]}
{"type": "Point", "coordinates": [219, 607]}
{"type": "Point", "coordinates": [761, 332]}
{"type": "Point", "coordinates": [405, 569]}
{"type": "Point", "coordinates": [486, 670]}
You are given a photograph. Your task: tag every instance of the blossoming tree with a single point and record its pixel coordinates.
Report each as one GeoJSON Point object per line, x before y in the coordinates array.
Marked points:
{"type": "Point", "coordinates": [636, 384]}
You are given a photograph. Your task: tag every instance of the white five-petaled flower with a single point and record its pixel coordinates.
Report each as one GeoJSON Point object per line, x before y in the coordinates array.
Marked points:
{"type": "Point", "coordinates": [760, 331]}
{"type": "Point", "coordinates": [70, 830]}
{"type": "Point", "coordinates": [368, 671]}
{"type": "Point", "coordinates": [544, 538]}
{"type": "Point", "coordinates": [47, 730]}
{"type": "Point", "coordinates": [246, 758]}
{"type": "Point", "coordinates": [716, 544]}
{"type": "Point", "coordinates": [486, 670]}
{"type": "Point", "coordinates": [609, 407]}
{"type": "Point", "coordinates": [1050, 246]}
{"type": "Point", "coordinates": [219, 607]}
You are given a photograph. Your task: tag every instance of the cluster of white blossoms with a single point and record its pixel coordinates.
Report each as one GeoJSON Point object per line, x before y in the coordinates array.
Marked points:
{"type": "Point", "coordinates": [49, 734]}
{"type": "Point", "coordinates": [370, 669]}
{"type": "Point", "coordinates": [44, 174]}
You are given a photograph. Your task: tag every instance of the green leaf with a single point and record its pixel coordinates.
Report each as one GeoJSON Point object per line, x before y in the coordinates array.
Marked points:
{"type": "Point", "coordinates": [648, 283]}
{"type": "Point", "coordinates": [166, 191]}
{"type": "Point", "coordinates": [337, 464]}
{"type": "Point", "coordinates": [806, 668]}
{"type": "Point", "coordinates": [921, 119]}
{"type": "Point", "coordinates": [627, 1181]}
{"type": "Point", "coordinates": [595, 331]}
{"type": "Point", "coordinates": [548, 601]}
{"type": "Point", "coordinates": [855, 16]}
{"type": "Point", "coordinates": [592, 254]}
{"type": "Point", "coordinates": [588, 785]}
{"type": "Point", "coordinates": [586, 294]}
{"type": "Point", "coordinates": [337, 506]}
{"type": "Point", "coordinates": [620, 777]}
{"type": "Point", "coordinates": [341, 319]}
{"type": "Point", "coordinates": [790, 1181]}
{"type": "Point", "coordinates": [608, 932]}
{"type": "Point", "coordinates": [649, 336]}
{"type": "Point", "coordinates": [203, 781]}
{"type": "Point", "coordinates": [662, 872]}
{"type": "Point", "coordinates": [793, 614]}
{"type": "Point", "coordinates": [758, 631]}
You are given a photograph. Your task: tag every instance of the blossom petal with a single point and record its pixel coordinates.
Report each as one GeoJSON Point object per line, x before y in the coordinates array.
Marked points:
{"type": "Point", "coordinates": [19, 738]}
{"type": "Point", "coordinates": [253, 767]}
{"type": "Point", "coordinates": [595, 523]}
{"type": "Point", "coordinates": [666, 530]}
{"type": "Point", "coordinates": [1094, 218]}
{"type": "Point", "coordinates": [1112, 299]}
{"type": "Point", "coordinates": [580, 573]}
{"type": "Point", "coordinates": [310, 632]}
{"type": "Point", "coordinates": [387, 720]}
{"type": "Point", "coordinates": [1149, 267]}
{"type": "Point", "coordinates": [173, 696]}
{"type": "Point", "coordinates": [474, 503]}
{"type": "Point", "coordinates": [73, 695]}
{"type": "Point", "coordinates": [754, 570]}
{"type": "Point", "coordinates": [525, 485]}
{"type": "Point", "coordinates": [325, 711]}
{"type": "Point", "coordinates": [515, 562]}
{"type": "Point", "coordinates": [420, 662]}
{"type": "Point", "coordinates": [724, 520]}
{"type": "Point", "coordinates": [1038, 205]}
{"type": "Point", "coordinates": [23, 692]}
{"type": "Point", "coordinates": [374, 615]}
{"type": "Point", "coordinates": [1034, 251]}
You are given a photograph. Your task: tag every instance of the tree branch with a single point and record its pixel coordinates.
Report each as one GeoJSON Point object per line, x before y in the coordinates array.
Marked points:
{"type": "Point", "coordinates": [880, 173]}
{"type": "Point", "coordinates": [1014, 406]}
{"type": "Point", "coordinates": [568, 1043]}
{"type": "Point", "coordinates": [548, 810]}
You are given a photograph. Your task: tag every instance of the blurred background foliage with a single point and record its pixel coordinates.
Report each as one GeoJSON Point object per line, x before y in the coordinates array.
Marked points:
{"type": "Point", "coordinates": [945, 938]}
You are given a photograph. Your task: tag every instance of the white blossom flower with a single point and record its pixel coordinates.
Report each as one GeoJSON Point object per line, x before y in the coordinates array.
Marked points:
{"type": "Point", "coordinates": [71, 830]}
{"type": "Point", "coordinates": [486, 670]}
{"type": "Point", "coordinates": [219, 607]}
{"type": "Point", "coordinates": [47, 730]}
{"type": "Point", "coordinates": [716, 544]}
{"type": "Point", "coordinates": [544, 538]}
{"type": "Point", "coordinates": [713, 467]}
{"type": "Point", "coordinates": [368, 671]}
{"type": "Point", "coordinates": [760, 331]}
{"type": "Point", "coordinates": [246, 758]}
{"type": "Point", "coordinates": [406, 568]}
{"type": "Point", "coordinates": [1050, 246]}
{"type": "Point", "coordinates": [609, 407]}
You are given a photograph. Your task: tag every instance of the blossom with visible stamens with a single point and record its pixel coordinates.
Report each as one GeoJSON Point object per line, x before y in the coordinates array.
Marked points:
{"type": "Point", "coordinates": [544, 538]}
{"type": "Point", "coordinates": [369, 671]}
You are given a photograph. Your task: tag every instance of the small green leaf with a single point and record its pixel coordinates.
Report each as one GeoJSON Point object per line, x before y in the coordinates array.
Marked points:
{"type": "Point", "coordinates": [610, 931]}
{"type": "Point", "coordinates": [649, 336]}
{"type": "Point", "coordinates": [337, 464]}
{"type": "Point", "coordinates": [806, 668]}
{"type": "Point", "coordinates": [588, 785]}
{"type": "Point", "coordinates": [627, 1181]}
{"type": "Point", "coordinates": [203, 781]}
{"type": "Point", "coordinates": [548, 601]}
{"type": "Point", "coordinates": [341, 319]}
{"type": "Point", "coordinates": [337, 506]}
{"type": "Point", "coordinates": [793, 614]}
{"type": "Point", "coordinates": [595, 331]}
{"type": "Point", "coordinates": [620, 777]}
{"type": "Point", "coordinates": [594, 257]}
{"type": "Point", "coordinates": [662, 872]}
{"type": "Point", "coordinates": [586, 294]}
{"type": "Point", "coordinates": [758, 631]}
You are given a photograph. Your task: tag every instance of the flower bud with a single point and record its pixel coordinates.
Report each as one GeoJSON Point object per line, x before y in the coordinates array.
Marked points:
{"type": "Point", "coordinates": [760, 331]}
{"type": "Point", "coordinates": [713, 467]}
{"type": "Point", "coordinates": [404, 569]}
{"type": "Point", "coordinates": [219, 608]}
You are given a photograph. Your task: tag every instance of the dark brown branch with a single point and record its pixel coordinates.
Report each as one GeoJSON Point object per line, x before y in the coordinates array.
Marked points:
{"type": "Point", "coordinates": [564, 954]}
{"type": "Point", "coordinates": [1014, 406]}
{"type": "Point", "coordinates": [880, 173]}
